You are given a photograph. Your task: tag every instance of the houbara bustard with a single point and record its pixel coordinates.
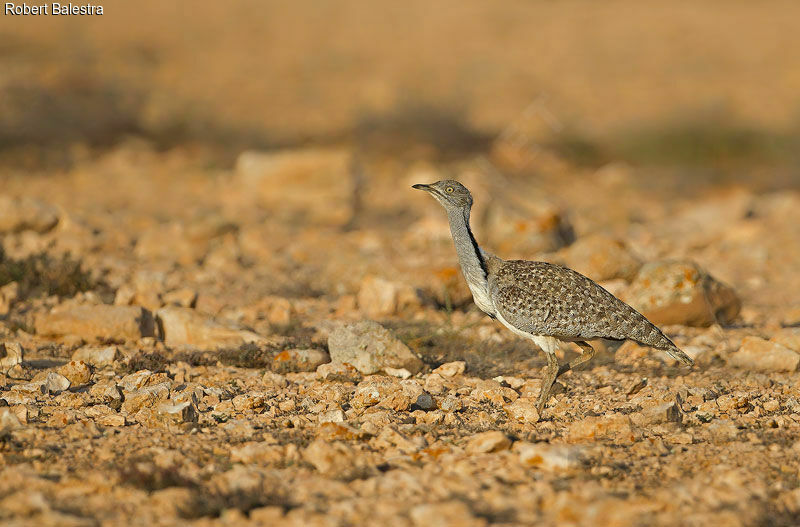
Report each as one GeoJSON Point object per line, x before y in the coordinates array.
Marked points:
{"type": "Point", "coordinates": [546, 303]}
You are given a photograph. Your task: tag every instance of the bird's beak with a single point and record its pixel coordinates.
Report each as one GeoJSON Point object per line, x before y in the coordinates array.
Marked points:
{"type": "Point", "coordinates": [420, 186]}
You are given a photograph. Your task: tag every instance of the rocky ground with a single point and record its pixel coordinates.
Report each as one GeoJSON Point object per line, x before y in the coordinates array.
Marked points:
{"type": "Point", "coordinates": [290, 342]}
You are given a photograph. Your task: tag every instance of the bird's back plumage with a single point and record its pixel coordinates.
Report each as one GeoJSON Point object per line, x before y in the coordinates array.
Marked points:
{"type": "Point", "coordinates": [546, 299]}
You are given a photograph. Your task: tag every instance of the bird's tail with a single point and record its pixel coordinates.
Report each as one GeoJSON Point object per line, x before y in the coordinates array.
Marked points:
{"type": "Point", "coordinates": [676, 353]}
{"type": "Point", "coordinates": [658, 340]}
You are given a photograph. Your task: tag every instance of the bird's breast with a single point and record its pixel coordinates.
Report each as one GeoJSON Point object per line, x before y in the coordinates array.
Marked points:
{"type": "Point", "coordinates": [480, 294]}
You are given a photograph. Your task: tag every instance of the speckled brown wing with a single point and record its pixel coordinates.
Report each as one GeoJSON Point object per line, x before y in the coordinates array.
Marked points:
{"type": "Point", "coordinates": [546, 299]}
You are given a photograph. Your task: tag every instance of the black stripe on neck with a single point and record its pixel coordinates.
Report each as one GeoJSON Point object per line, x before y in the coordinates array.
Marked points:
{"type": "Point", "coordinates": [477, 249]}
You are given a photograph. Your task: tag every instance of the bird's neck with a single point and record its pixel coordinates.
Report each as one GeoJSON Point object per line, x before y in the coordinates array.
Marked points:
{"type": "Point", "coordinates": [469, 254]}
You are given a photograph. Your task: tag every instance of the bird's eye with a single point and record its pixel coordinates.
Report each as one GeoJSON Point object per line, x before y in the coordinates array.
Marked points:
{"type": "Point", "coordinates": [449, 189]}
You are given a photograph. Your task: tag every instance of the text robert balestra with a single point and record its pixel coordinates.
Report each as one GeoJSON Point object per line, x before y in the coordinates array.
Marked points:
{"type": "Point", "coordinates": [52, 9]}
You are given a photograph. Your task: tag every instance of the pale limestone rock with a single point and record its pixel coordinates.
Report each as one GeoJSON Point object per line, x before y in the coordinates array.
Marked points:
{"type": "Point", "coordinates": [523, 410]}
{"type": "Point", "coordinates": [332, 431]}
{"type": "Point", "coordinates": [284, 406]}
{"type": "Point", "coordinates": [601, 258]}
{"type": "Point", "coordinates": [377, 297]}
{"type": "Point", "coordinates": [25, 503]}
{"type": "Point", "coordinates": [492, 441]}
{"type": "Point", "coordinates": [62, 418]}
{"type": "Point", "coordinates": [180, 243]}
{"type": "Point", "coordinates": [389, 436]}
{"type": "Point", "coordinates": [338, 372]}
{"type": "Point", "coordinates": [56, 383]}
{"type": "Point", "coordinates": [9, 420]}
{"type": "Point", "coordinates": [493, 391]}
{"type": "Point", "coordinates": [411, 390]}
{"type": "Point", "coordinates": [544, 456]}
{"type": "Point", "coordinates": [9, 294]}
{"type": "Point", "coordinates": [331, 416]}
{"type": "Point", "coordinates": [435, 384]}
{"type": "Point", "coordinates": [616, 427]}
{"type": "Point", "coordinates": [95, 356]}
{"type": "Point", "coordinates": [166, 414]}
{"type": "Point", "coordinates": [294, 360]}
{"type": "Point", "coordinates": [435, 418]}
{"type": "Point", "coordinates": [183, 297]}
{"type": "Point", "coordinates": [375, 389]}
{"type": "Point", "coordinates": [722, 431]}
{"type": "Point", "coordinates": [682, 438]}
{"type": "Point", "coordinates": [30, 388]}
{"type": "Point", "coordinates": [757, 354]}
{"type": "Point", "coordinates": [261, 452]}
{"type": "Point", "coordinates": [13, 397]}
{"type": "Point", "coordinates": [530, 388]}
{"type": "Point", "coordinates": [790, 500]}
{"type": "Point", "coordinates": [172, 503]}
{"type": "Point", "coordinates": [172, 412]}
{"type": "Point", "coordinates": [515, 383]}
{"type": "Point", "coordinates": [144, 397]}
{"type": "Point", "coordinates": [11, 354]}
{"type": "Point", "coordinates": [279, 310]}
{"type": "Point", "coordinates": [789, 338]}
{"type": "Point", "coordinates": [249, 401]}
{"type": "Point", "coordinates": [400, 373]}
{"type": "Point", "coordinates": [274, 379]}
{"type": "Point", "coordinates": [101, 322]}
{"type": "Point", "coordinates": [771, 405]}
{"type": "Point", "coordinates": [134, 381]}
{"type": "Point", "coordinates": [450, 403]}
{"type": "Point", "coordinates": [23, 413]}
{"type": "Point", "coordinates": [518, 225]}
{"type": "Point", "coordinates": [98, 410]}
{"type": "Point", "coordinates": [72, 399]}
{"type": "Point", "coordinates": [111, 420]}
{"type": "Point", "coordinates": [731, 402]}
{"type": "Point", "coordinates": [335, 459]}
{"type": "Point", "coordinates": [451, 369]}
{"type": "Point", "coordinates": [370, 347]}
{"type": "Point", "coordinates": [72, 236]}
{"type": "Point", "coordinates": [185, 327]}
{"type": "Point", "coordinates": [675, 292]}
{"type": "Point", "coordinates": [149, 285]}
{"type": "Point", "coordinates": [77, 372]}
{"type": "Point", "coordinates": [125, 295]}
{"type": "Point", "coordinates": [191, 392]}
{"type": "Point", "coordinates": [659, 413]}
{"type": "Point", "coordinates": [20, 214]}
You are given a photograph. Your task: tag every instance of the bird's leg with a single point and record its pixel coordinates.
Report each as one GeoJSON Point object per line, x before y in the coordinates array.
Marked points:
{"type": "Point", "coordinates": [550, 374]}
{"type": "Point", "coordinates": [587, 352]}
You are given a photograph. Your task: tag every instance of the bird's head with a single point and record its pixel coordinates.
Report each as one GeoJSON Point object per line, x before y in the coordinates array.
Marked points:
{"type": "Point", "coordinates": [451, 194]}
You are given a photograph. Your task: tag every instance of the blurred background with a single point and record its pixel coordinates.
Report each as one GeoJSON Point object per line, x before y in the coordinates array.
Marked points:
{"type": "Point", "coordinates": [689, 91]}
{"type": "Point", "coordinates": [205, 141]}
